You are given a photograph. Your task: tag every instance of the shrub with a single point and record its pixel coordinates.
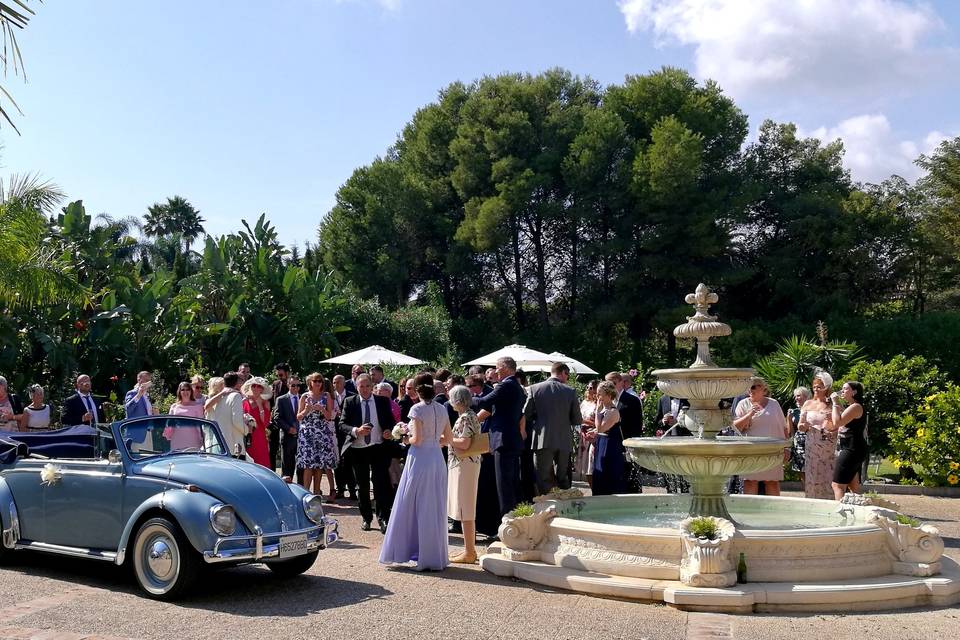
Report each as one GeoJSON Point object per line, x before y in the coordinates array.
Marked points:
{"type": "Point", "coordinates": [704, 528]}
{"type": "Point", "coordinates": [929, 439]}
{"type": "Point", "coordinates": [893, 390]}
{"type": "Point", "coordinates": [522, 510]}
{"type": "Point", "coordinates": [902, 519]}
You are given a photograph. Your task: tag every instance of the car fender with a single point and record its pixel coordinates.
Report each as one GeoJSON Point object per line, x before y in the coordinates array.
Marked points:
{"type": "Point", "coordinates": [189, 509]}
{"type": "Point", "coordinates": [9, 518]}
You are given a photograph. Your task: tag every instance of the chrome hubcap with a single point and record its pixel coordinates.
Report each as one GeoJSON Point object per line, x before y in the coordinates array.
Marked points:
{"type": "Point", "coordinates": [160, 559]}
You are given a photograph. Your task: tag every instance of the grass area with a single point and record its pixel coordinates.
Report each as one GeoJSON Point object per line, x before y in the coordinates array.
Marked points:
{"type": "Point", "coordinates": [886, 470]}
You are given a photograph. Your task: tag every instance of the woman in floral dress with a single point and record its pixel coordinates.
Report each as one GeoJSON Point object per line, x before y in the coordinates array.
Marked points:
{"type": "Point", "coordinates": [821, 442]}
{"type": "Point", "coordinates": [317, 452]}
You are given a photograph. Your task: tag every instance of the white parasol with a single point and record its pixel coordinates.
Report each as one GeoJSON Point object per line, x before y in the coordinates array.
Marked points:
{"type": "Point", "coordinates": [374, 354]}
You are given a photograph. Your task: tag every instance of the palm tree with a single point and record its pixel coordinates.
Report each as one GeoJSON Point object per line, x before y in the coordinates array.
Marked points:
{"type": "Point", "coordinates": [156, 223]}
{"type": "Point", "coordinates": [185, 220]}
{"type": "Point", "coordinates": [32, 272]}
{"type": "Point", "coordinates": [13, 14]}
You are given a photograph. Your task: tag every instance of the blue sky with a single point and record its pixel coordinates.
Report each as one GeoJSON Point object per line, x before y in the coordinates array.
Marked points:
{"type": "Point", "coordinates": [246, 107]}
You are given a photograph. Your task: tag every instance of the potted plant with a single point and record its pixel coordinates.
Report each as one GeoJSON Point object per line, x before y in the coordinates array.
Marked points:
{"type": "Point", "coordinates": [707, 552]}
{"type": "Point", "coordinates": [523, 529]}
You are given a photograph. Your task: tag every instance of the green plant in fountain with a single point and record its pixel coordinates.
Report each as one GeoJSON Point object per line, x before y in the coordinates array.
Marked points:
{"type": "Point", "coordinates": [522, 510]}
{"type": "Point", "coordinates": [902, 519]}
{"type": "Point", "coordinates": [704, 528]}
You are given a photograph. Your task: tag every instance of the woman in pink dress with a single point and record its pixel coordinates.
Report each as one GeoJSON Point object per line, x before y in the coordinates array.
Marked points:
{"type": "Point", "coordinates": [185, 405]}
{"type": "Point", "coordinates": [256, 392]}
{"type": "Point", "coordinates": [819, 453]}
{"type": "Point", "coordinates": [761, 416]}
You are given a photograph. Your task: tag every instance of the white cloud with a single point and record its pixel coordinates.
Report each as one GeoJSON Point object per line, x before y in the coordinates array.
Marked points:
{"type": "Point", "coordinates": [873, 151]}
{"type": "Point", "coordinates": [811, 47]}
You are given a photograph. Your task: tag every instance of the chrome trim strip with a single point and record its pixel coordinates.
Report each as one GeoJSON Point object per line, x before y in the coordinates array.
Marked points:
{"type": "Point", "coordinates": [63, 550]}
{"type": "Point", "coordinates": [328, 535]}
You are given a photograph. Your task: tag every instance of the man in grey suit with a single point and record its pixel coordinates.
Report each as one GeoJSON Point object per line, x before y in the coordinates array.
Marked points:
{"type": "Point", "coordinates": [552, 409]}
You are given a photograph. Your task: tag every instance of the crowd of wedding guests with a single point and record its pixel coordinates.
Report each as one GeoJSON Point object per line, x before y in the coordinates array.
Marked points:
{"type": "Point", "coordinates": [448, 452]}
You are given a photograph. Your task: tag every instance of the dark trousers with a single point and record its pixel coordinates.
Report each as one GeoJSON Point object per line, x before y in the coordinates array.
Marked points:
{"type": "Point", "coordinates": [488, 501]}
{"type": "Point", "coordinates": [507, 467]}
{"type": "Point", "coordinates": [373, 461]}
{"type": "Point", "coordinates": [273, 439]}
{"type": "Point", "coordinates": [346, 481]}
{"type": "Point", "coordinates": [288, 454]}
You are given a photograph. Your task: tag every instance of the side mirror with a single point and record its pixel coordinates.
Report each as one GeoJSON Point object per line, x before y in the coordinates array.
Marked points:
{"type": "Point", "coordinates": [114, 457]}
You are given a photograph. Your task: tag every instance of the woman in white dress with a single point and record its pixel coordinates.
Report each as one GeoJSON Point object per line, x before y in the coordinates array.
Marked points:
{"type": "Point", "coordinates": [36, 415]}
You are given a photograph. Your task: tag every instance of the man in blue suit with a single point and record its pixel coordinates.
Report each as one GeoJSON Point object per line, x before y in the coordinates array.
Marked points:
{"type": "Point", "coordinates": [504, 406]}
{"type": "Point", "coordinates": [135, 402]}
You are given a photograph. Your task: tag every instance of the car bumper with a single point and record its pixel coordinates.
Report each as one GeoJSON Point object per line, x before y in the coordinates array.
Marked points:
{"type": "Point", "coordinates": [267, 545]}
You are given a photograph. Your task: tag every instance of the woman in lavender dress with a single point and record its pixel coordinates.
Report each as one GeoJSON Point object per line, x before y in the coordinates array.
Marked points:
{"type": "Point", "coordinates": [417, 531]}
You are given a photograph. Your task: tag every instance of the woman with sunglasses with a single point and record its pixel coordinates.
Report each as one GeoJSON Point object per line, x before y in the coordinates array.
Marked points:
{"type": "Point", "coordinates": [185, 405]}
{"type": "Point", "coordinates": [317, 452]}
{"type": "Point", "coordinates": [761, 416]}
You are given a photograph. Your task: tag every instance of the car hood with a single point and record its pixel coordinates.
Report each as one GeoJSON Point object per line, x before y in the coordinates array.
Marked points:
{"type": "Point", "coordinates": [259, 496]}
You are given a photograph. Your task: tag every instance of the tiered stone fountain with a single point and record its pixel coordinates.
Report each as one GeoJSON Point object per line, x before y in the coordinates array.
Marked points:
{"type": "Point", "coordinates": [801, 554]}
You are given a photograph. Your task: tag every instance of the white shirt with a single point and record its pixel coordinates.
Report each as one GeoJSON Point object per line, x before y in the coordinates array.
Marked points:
{"type": "Point", "coordinates": [90, 405]}
{"type": "Point", "coordinates": [376, 433]}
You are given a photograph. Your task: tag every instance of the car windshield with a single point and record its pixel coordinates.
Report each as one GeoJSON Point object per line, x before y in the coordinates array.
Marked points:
{"type": "Point", "coordinates": [170, 434]}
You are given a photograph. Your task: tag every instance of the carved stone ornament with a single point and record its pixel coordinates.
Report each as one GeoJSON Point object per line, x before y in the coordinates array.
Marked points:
{"type": "Point", "coordinates": [862, 500]}
{"type": "Point", "coordinates": [520, 536]}
{"type": "Point", "coordinates": [916, 549]}
{"type": "Point", "coordinates": [708, 563]}
{"type": "Point", "coordinates": [560, 494]}
{"type": "Point", "coordinates": [701, 325]}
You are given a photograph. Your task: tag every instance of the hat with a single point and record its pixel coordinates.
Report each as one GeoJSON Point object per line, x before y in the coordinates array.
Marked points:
{"type": "Point", "coordinates": [267, 390]}
{"type": "Point", "coordinates": [824, 377]}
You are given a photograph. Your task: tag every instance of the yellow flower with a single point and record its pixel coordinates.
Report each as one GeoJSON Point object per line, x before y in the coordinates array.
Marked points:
{"type": "Point", "coordinates": [897, 463]}
{"type": "Point", "coordinates": [929, 398]}
{"type": "Point", "coordinates": [953, 479]}
{"type": "Point", "coordinates": [920, 433]}
{"type": "Point", "coordinates": [954, 466]}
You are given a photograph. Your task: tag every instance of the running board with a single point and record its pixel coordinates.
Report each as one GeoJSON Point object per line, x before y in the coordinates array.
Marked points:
{"type": "Point", "coordinates": [77, 552]}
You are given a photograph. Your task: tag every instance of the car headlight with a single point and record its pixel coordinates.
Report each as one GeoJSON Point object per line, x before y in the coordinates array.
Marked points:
{"type": "Point", "coordinates": [223, 519]}
{"type": "Point", "coordinates": [313, 507]}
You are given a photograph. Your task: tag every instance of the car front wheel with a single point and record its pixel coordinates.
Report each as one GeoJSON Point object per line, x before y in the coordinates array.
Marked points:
{"type": "Point", "coordinates": [293, 566]}
{"type": "Point", "coordinates": [164, 562]}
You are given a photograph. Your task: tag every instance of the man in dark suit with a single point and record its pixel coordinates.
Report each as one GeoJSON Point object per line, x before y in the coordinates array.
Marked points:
{"type": "Point", "coordinates": [629, 406]}
{"type": "Point", "coordinates": [631, 422]}
{"type": "Point", "coordinates": [669, 405]}
{"type": "Point", "coordinates": [285, 409]}
{"type": "Point", "coordinates": [504, 406]}
{"type": "Point", "coordinates": [376, 374]}
{"type": "Point", "coordinates": [351, 384]}
{"type": "Point", "coordinates": [552, 409]}
{"type": "Point", "coordinates": [366, 424]}
{"type": "Point", "coordinates": [82, 407]}
{"type": "Point", "coordinates": [280, 387]}
{"type": "Point", "coordinates": [344, 471]}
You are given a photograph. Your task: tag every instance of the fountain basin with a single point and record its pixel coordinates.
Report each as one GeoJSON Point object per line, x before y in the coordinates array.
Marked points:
{"type": "Point", "coordinates": [801, 554]}
{"type": "Point", "coordinates": [724, 456]}
{"type": "Point", "coordinates": [707, 464]}
{"type": "Point", "coordinates": [703, 386]}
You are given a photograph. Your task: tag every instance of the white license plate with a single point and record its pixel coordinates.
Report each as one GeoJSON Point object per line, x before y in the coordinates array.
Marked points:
{"type": "Point", "coordinates": [293, 545]}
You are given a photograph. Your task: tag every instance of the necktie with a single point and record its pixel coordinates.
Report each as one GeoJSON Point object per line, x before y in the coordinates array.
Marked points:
{"type": "Point", "coordinates": [366, 418]}
{"type": "Point", "coordinates": [92, 409]}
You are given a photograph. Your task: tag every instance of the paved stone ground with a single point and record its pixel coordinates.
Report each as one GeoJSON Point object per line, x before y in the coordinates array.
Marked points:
{"type": "Point", "coordinates": [348, 595]}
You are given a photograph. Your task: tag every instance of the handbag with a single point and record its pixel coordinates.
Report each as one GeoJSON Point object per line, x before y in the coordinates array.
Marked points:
{"type": "Point", "coordinates": [479, 444]}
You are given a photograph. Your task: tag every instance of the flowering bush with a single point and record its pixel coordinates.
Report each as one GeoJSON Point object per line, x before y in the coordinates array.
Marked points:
{"type": "Point", "coordinates": [929, 439]}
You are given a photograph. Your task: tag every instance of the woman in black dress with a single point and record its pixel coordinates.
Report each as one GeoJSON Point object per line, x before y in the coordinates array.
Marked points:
{"type": "Point", "coordinates": [851, 424]}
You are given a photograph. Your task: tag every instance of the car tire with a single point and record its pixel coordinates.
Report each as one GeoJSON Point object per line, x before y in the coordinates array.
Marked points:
{"type": "Point", "coordinates": [293, 566]}
{"type": "Point", "coordinates": [164, 562]}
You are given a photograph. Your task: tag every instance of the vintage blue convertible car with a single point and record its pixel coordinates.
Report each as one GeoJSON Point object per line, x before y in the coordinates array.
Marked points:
{"type": "Point", "coordinates": [160, 494]}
